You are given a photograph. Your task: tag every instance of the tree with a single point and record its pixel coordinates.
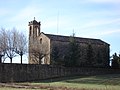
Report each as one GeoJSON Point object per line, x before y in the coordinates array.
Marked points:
{"type": "Point", "coordinates": [73, 54]}
{"type": "Point", "coordinates": [56, 59]}
{"type": "Point", "coordinates": [55, 55]}
{"type": "Point", "coordinates": [11, 41]}
{"type": "Point", "coordinates": [11, 44]}
{"type": "Point", "coordinates": [90, 56]}
{"type": "Point", "coordinates": [38, 52]}
{"type": "Point", "coordinates": [115, 61]}
{"type": "Point", "coordinates": [21, 45]}
{"type": "Point", "coordinates": [3, 43]}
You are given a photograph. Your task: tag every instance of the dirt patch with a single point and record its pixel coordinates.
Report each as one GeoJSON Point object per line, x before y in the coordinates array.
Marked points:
{"type": "Point", "coordinates": [28, 86]}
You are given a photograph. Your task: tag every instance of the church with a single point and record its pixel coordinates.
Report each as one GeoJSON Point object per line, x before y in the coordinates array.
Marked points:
{"type": "Point", "coordinates": [44, 47]}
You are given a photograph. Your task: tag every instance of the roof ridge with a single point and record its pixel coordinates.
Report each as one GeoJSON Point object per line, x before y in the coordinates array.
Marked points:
{"type": "Point", "coordinates": [79, 39]}
{"type": "Point", "coordinates": [71, 36]}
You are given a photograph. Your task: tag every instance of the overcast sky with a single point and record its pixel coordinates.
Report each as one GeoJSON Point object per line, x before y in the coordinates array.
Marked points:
{"type": "Point", "coordinates": [87, 18]}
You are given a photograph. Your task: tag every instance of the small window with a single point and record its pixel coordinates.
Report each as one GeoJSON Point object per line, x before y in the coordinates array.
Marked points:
{"type": "Point", "coordinates": [30, 30]}
{"type": "Point", "coordinates": [30, 27]}
{"type": "Point", "coordinates": [41, 41]}
{"type": "Point", "coordinates": [43, 60]}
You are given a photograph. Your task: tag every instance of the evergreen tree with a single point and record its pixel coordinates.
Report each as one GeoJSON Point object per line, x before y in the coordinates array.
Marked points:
{"type": "Point", "coordinates": [55, 55]}
{"type": "Point", "coordinates": [73, 54]}
{"type": "Point", "coordinates": [90, 56]}
{"type": "Point", "coordinates": [115, 63]}
{"type": "Point", "coordinates": [99, 58]}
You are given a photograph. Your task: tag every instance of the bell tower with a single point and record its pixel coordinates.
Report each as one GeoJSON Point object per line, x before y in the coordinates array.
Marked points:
{"type": "Point", "coordinates": [34, 33]}
{"type": "Point", "coordinates": [34, 28]}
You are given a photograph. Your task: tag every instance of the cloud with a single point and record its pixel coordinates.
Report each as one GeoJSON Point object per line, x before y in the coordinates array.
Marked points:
{"type": "Point", "coordinates": [54, 23]}
{"type": "Point", "coordinates": [49, 23]}
{"type": "Point", "coordinates": [4, 11]}
{"type": "Point", "coordinates": [103, 1]}
{"type": "Point", "coordinates": [21, 17]}
{"type": "Point", "coordinates": [103, 33]}
{"type": "Point", "coordinates": [108, 32]}
{"type": "Point", "coordinates": [26, 13]}
{"type": "Point", "coordinates": [103, 13]}
{"type": "Point", "coordinates": [96, 23]}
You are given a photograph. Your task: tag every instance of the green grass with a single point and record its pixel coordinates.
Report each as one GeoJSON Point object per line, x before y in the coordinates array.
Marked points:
{"type": "Point", "coordinates": [99, 82]}
{"type": "Point", "coordinates": [104, 82]}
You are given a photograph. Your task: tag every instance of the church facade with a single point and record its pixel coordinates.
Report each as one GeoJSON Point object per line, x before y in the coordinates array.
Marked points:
{"type": "Point", "coordinates": [44, 47]}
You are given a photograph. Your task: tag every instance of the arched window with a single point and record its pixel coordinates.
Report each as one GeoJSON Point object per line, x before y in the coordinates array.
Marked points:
{"type": "Point", "coordinates": [30, 30]}
{"type": "Point", "coordinates": [43, 60]}
{"type": "Point", "coordinates": [37, 32]}
{"type": "Point", "coordinates": [40, 40]}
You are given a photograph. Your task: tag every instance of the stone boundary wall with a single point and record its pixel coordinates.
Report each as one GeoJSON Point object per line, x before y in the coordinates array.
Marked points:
{"type": "Point", "coordinates": [32, 72]}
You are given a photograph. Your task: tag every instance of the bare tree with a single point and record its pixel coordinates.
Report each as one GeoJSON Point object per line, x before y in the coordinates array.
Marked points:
{"type": "Point", "coordinates": [1, 53]}
{"type": "Point", "coordinates": [21, 46]}
{"type": "Point", "coordinates": [3, 43]}
{"type": "Point", "coordinates": [38, 51]}
{"type": "Point", "coordinates": [12, 43]}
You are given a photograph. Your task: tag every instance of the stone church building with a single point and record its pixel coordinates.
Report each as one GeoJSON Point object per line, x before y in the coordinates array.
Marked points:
{"type": "Point", "coordinates": [42, 47]}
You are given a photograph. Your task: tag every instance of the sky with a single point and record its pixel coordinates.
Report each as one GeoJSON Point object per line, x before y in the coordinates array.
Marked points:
{"type": "Point", "coordinates": [98, 19]}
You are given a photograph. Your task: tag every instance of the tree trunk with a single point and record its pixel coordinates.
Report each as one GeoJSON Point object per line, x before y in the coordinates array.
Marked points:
{"type": "Point", "coordinates": [39, 59]}
{"type": "Point", "coordinates": [10, 60]}
{"type": "Point", "coordinates": [21, 54]}
{"type": "Point", "coordinates": [0, 59]}
{"type": "Point", "coordinates": [21, 58]}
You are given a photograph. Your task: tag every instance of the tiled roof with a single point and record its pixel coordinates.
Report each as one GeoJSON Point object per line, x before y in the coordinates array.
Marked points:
{"type": "Point", "coordinates": [78, 39]}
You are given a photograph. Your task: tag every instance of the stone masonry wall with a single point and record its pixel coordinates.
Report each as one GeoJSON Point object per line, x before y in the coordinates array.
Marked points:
{"type": "Point", "coordinates": [32, 72]}
{"type": "Point", "coordinates": [99, 53]}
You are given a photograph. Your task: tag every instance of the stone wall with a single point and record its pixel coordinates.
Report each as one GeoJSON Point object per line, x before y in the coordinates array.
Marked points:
{"type": "Point", "coordinates": [99, 53]}
{"type": "Point", "coordinates": [32, 72]}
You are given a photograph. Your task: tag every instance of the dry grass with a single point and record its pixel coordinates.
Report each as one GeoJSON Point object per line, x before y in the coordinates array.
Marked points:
{"type": "Point", "coordinates": [99, 82]}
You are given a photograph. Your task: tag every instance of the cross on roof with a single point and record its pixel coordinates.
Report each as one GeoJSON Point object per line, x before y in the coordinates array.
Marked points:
{"type": "Point", "coordinates": [34, 18]}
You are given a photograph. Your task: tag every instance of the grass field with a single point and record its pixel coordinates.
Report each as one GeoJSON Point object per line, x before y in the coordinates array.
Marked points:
{"type": "Point", "coordinates": [99, 82]}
